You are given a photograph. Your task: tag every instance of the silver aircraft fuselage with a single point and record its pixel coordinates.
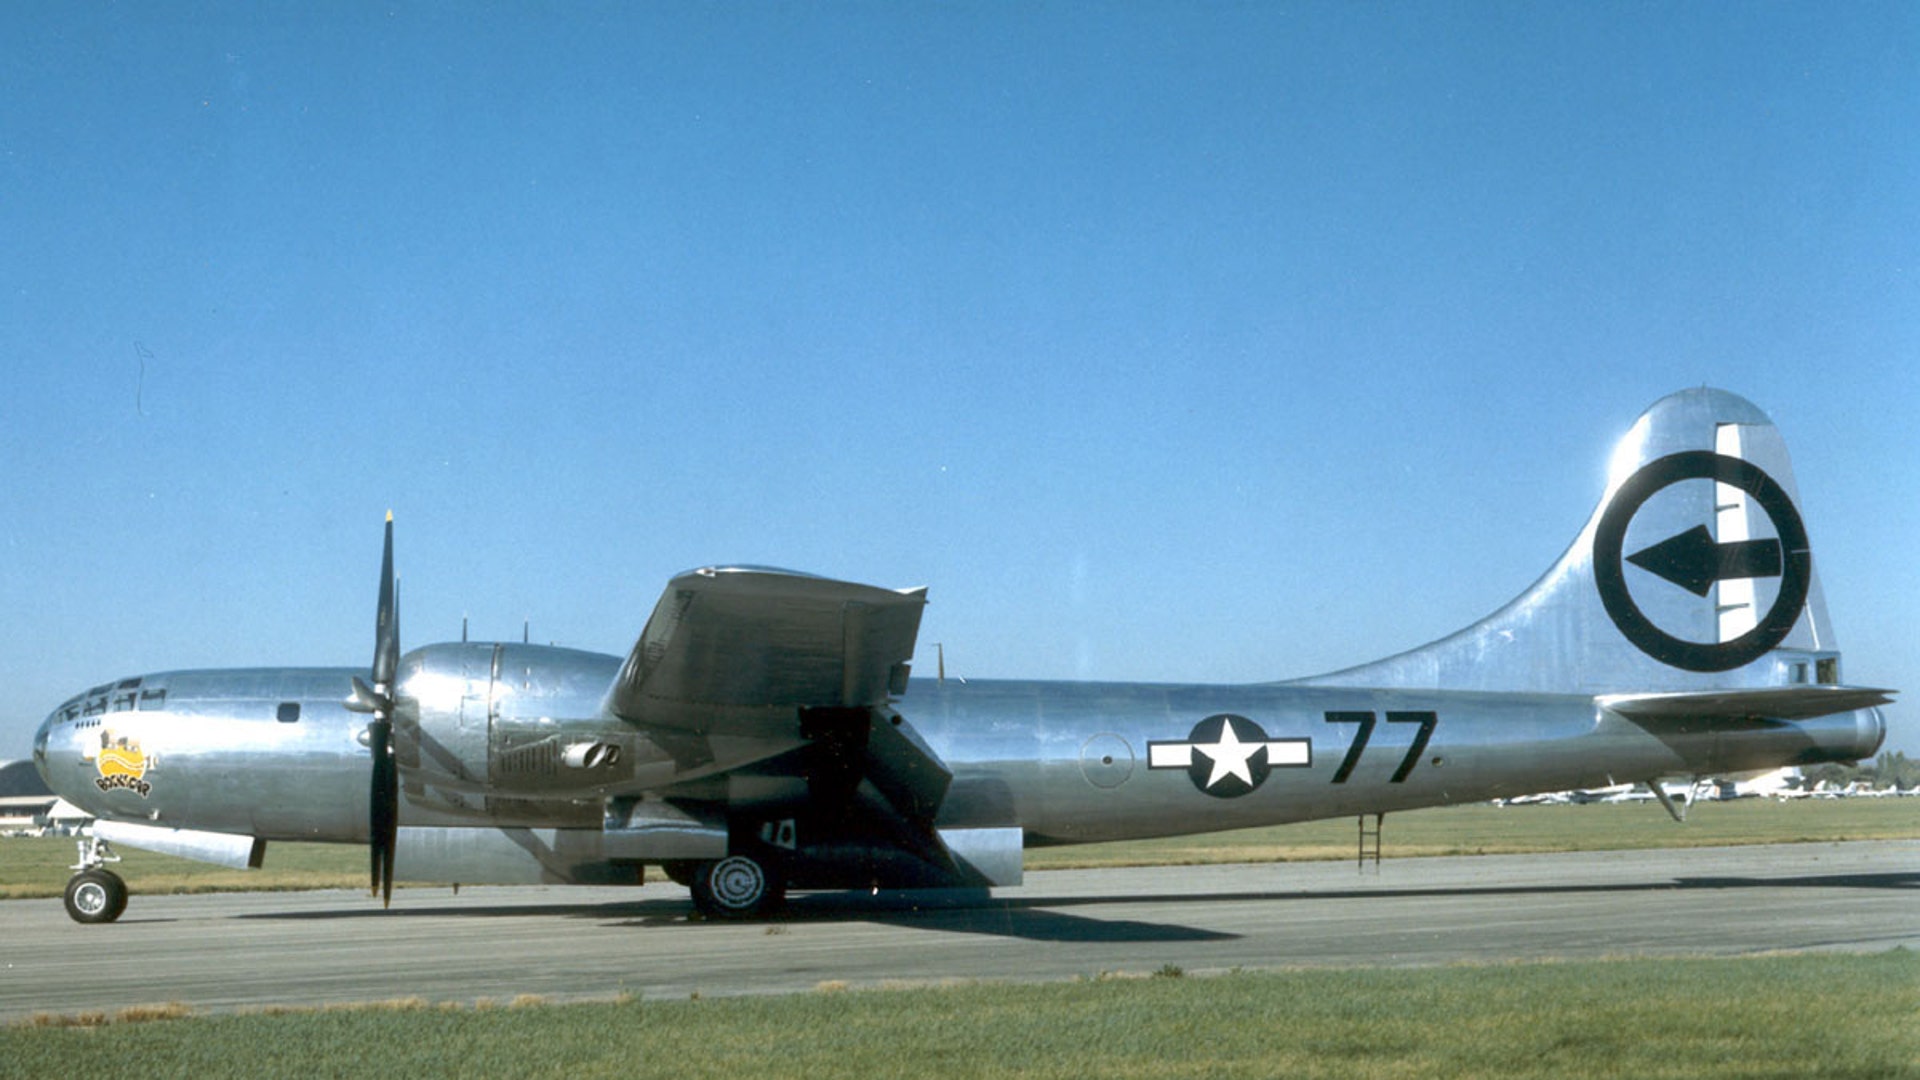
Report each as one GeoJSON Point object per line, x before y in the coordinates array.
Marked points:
{"type": "Point", "coordinates": [275, 754]}
{"type": "Point", "coordinates": [763, 731]}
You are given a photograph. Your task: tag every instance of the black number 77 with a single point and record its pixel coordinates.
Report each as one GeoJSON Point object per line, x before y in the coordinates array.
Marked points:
{"type": "Point", "coordinates": [1366, 720]}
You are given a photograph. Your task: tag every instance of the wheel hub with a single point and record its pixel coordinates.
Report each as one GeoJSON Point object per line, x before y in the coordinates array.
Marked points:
{"type": "Point", "coordinates": [91, 898]}
{"type": "Point", "coordinates": [738, 882]}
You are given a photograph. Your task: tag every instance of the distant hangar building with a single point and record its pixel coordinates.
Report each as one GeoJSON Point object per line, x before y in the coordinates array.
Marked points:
{"type": "Point", "coordinates": [25, 800]}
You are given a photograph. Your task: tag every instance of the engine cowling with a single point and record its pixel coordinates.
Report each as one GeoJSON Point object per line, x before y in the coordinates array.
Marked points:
{"type": "Point", "coordinates": [519, 721]}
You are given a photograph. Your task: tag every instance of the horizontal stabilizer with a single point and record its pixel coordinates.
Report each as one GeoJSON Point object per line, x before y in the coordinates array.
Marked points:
{"type": "Point", "coordinates": [1768, 703]}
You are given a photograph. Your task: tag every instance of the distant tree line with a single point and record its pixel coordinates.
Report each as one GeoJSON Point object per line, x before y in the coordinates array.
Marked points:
{"type": "Point", "coordinates": [1891, 767]}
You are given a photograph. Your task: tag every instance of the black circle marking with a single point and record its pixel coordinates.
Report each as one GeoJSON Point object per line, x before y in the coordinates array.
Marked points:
{"type": "Point", "coordinates": [1609, 572]}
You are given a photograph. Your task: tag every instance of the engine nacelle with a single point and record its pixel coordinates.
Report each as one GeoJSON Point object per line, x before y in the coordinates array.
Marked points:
{"type": "Point", "coordinates": [516, 720]}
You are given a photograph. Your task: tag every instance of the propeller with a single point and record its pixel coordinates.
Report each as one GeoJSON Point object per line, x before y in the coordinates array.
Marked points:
{"type": "Point", "coordinates": [383, 804]}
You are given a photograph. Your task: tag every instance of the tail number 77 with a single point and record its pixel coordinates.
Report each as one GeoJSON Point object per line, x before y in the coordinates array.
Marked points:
{"type": "Point", "coordinates": [1367, 720]}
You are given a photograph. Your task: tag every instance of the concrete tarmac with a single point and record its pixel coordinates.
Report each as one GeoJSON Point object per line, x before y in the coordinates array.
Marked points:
{"type": "Point", "coordinates": [241, 950]}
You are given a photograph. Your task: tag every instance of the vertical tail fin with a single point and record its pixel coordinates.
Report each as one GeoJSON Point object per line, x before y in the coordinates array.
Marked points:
{"type": "Point", "coordinates": [1694, 573]}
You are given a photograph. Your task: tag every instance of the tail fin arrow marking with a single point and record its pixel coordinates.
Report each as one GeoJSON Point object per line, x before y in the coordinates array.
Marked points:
{"type": "Point", "coordinates": [1693, 561]}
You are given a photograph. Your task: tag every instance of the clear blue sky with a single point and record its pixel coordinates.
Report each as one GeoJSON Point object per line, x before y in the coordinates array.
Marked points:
{"type": "Point", "coordinates": [1171, 342]}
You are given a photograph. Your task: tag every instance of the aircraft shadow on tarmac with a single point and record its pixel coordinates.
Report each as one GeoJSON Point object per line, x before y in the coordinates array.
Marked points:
{"type": "Point", "coordinates": [1041, 918]}
{"type": "Point", "coordinates": [981, 914]}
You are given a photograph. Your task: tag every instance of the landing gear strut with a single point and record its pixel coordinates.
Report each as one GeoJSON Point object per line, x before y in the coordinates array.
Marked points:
{"type": "Point", "coordinates": [95, 894]}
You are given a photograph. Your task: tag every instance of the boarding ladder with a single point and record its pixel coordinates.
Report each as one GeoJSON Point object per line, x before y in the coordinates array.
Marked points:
{"type": "Point", "coordinates": [1370, 842]}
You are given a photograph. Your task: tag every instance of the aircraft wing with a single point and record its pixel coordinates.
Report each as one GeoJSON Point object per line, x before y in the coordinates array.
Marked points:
{"type": "Point", "coordinates": [723, 639]}
{"type": "Point", "coordinates": [766, 656]}
{"type": "Point", "coordinates": [790, 674]}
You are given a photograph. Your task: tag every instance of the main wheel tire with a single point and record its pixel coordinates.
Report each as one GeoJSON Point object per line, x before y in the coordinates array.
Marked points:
{"type": "Point", "coordinates": [96, 896]}
{"type": "Point", "coordinates": [737, 887]}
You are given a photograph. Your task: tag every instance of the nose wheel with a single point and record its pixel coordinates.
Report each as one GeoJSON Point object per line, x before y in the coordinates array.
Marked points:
{"type": "Point", "coordinates": [95, 894]}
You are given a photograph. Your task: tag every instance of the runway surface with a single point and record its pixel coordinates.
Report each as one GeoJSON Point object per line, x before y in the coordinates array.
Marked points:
{"type": "Point", "coordinates": [220, 952]}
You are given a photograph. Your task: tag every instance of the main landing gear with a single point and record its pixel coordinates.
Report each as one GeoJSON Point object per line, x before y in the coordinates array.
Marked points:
{"type": "Point", "coordinates": [736, 887]}
{"type": "Point", "coordinates": [95, 894]}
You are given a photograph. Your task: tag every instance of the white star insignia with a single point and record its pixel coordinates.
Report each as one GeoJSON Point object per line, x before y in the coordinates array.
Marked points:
{"type": "Point", "coordinates": [1230, 756]}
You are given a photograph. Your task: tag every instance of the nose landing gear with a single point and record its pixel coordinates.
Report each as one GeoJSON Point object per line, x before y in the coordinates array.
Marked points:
{"type": "Point", "coordinates": [95, 894]}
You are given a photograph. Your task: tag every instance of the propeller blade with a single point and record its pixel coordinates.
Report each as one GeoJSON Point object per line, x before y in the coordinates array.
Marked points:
{"type": "Point", "coordinates": [386, 636]}
{"type": "Point", "coordinates": [383, 809]}
{"type": "Point", "coordinates": [383, 796]}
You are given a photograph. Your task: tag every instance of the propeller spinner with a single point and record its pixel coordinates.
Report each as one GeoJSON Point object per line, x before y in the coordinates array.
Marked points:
{"type": "Point", "coordinates": [383, 805]}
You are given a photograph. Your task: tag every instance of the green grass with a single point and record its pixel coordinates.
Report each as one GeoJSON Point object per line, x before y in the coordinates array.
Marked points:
{"type": "Point", "coordinates": [1485, 829]}
{"type": "Point", "coordinates": [40, 867]}
{"type": "Point", "coordinates": [1782, 1016]}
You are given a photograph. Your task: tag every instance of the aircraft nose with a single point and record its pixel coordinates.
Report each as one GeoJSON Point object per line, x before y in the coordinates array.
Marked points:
{"type": "Point", "coordinates": [56, 744]}
{"type": "Point", "coordinates": [40, 748]}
